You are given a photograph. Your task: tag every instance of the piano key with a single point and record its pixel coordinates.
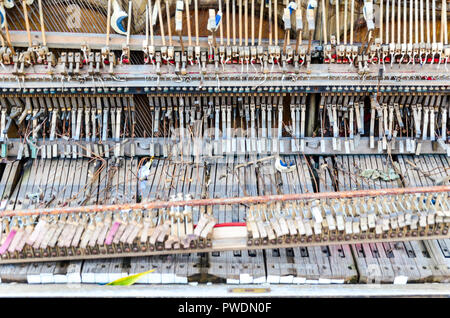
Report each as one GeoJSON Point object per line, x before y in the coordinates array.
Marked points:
{"type": "Point", "coordinates": [34, 273]}
{"type": "Point", "coordinates": [423, 261]}
{"type": "Point", "coordinates": [342, 265]}
{"type": "Point", "coordinates": [156, 276]}
{"type": "Point", "coordinates": [102, 271]}
{"type": "Point", "coordinates": [88, 271]}
{"type": "Point", "coordinates": [74, 272]}
{"type": "Point", "coordinates": [287, 272]}
{"type": "Point", "coordinates": [60, 273]}
{"type": "Point", "coordinates": [232, 269]}
{"type": "Point", "coordinates": [181, 268]}
{"type": "Point", "coordinates": [273, 266]}
{"type": "Point", "coordinates": [47, 273]}
{"type": "Point", "coordinates": [257, 261]}
{"type": "Point", "coordinates": [245, 268]}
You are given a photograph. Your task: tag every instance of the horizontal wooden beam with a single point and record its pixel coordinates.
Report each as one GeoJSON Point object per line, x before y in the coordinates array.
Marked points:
{"type": "Point", "coordinates": [95, 41]}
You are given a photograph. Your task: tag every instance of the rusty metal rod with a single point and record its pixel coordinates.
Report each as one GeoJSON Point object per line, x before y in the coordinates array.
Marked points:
{"type": "Point", "coordinates": [228, 201]}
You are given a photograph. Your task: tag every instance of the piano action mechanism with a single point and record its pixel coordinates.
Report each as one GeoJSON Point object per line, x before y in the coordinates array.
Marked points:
{"type": "Point", "coordinates": [205, 138]}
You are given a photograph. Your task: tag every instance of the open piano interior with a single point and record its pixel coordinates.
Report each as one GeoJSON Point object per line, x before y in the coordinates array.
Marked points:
{"type": "Point", "coordinates": [225, 143]}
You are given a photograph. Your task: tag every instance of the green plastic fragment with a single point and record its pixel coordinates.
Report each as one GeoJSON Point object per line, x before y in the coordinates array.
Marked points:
{"type": "Point", "coordinates": [374, 174]}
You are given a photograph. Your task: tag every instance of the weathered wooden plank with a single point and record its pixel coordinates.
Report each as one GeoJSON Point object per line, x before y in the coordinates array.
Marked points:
{"type": "Point", "coordinates": [342, 265]}
{"type": "Point", "coordinates": [3, 184]}
{"type": "Point", "coordinates": [24, 186]}
{"type": "Point", "coordinates": [34, 178]}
